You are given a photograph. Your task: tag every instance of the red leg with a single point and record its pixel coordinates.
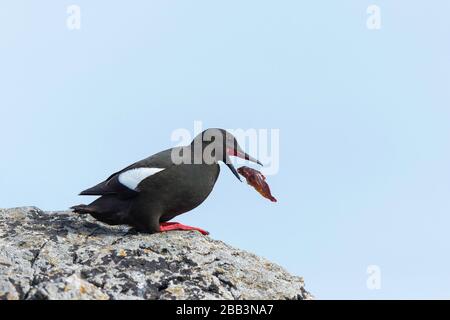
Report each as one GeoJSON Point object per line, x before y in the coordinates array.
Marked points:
{"type": "Point", "coordinates": [172, 226]}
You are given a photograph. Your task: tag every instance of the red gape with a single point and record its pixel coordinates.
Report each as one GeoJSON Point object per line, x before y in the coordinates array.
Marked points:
{"type": "Point", "coordinates": [172, 226]}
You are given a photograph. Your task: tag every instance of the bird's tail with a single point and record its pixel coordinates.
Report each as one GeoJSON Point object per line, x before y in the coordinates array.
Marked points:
{"type": "Point", "coordinates": [107, 209]}
{"type": "Point", "coordinates": [82, 209]}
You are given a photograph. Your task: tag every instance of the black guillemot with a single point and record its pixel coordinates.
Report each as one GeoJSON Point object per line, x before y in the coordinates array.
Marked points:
{"type": "Point", "coordinates": [148, 194]}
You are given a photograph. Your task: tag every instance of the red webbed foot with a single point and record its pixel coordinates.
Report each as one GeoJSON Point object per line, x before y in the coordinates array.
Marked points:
{"type": "Point", "coordinates": [172, 226]}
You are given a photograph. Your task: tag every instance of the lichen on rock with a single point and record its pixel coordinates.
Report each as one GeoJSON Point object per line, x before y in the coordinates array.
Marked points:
{"type": "Point", "coordinates": [61, 255]}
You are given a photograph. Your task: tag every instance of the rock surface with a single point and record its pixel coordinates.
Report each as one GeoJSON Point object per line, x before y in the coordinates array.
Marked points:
{"type": "Point", "coordinates": [60, 255]}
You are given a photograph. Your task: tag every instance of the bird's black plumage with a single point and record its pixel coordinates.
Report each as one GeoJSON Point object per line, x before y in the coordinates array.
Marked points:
{"type": "Point", "coordinates": [170, 189]}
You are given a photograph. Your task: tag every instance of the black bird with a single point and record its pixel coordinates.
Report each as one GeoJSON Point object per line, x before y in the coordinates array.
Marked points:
{"type": "Point", "coordinates": [148, 194]}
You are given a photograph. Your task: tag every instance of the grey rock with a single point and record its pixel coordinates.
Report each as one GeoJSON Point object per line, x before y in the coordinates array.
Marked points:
{"type": "Point", "coordinates": [60, 255]}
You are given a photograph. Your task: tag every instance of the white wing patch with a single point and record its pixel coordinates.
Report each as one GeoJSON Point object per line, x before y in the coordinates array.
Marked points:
{"type": "Point", "coordinates": [133, 177]}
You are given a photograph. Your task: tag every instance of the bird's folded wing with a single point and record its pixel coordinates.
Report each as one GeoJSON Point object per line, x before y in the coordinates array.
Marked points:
{"type": "Point", "coordinates": [124, 183]}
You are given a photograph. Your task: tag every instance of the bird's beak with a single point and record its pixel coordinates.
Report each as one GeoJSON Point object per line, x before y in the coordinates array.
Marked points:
{"type": "Point", "coordinates": [241, 154]}
{"type": "Point", "coordinates": [245, 156]}
{"type": "Point", "coordinates": [232, 168]}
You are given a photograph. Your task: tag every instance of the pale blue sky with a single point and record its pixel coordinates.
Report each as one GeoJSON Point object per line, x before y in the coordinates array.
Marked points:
{"type": "Point", "coordinates": [363, 117]}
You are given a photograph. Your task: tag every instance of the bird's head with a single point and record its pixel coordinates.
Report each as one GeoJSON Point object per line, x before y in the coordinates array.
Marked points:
{"type": "Point", "coordinates": [219, 145]}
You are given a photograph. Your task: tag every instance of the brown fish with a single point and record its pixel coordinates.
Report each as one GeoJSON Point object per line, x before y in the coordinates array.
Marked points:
{"type": "Point", "coordinates": [258, 181]}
